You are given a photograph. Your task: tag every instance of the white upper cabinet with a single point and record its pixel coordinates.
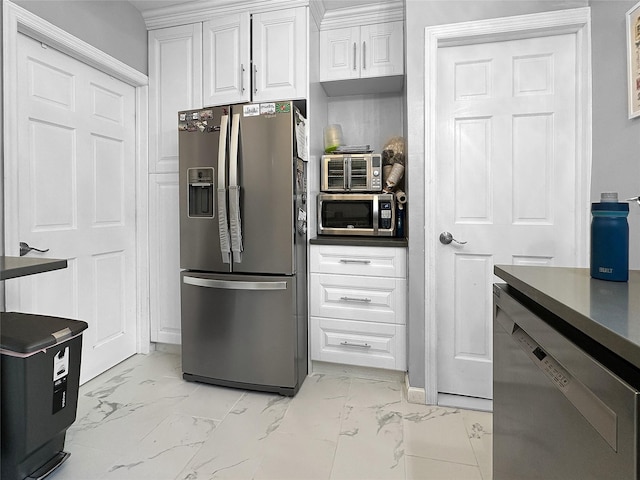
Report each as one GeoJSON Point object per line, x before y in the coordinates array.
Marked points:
{"type": "Point", "coordinates": [362, 52]}
{"type": "Point", "coordinates": [382, 50]}
{"type": "Point", "coordinates": [277, 69]}
{"type": "Point", "coordinates": [280, 55]}
{"type": "Point", "coordinates": [175, 83]}
{"type": "Point", "coordinates": [226, 58]}
{"type": "Point", "coordinates": [340, 54]}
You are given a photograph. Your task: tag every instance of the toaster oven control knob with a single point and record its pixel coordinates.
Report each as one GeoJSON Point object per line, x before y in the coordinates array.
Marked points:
{"type": "Point", "coordinates": [376, 173]}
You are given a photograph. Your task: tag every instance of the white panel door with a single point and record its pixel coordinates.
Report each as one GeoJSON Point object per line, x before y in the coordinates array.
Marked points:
{"type": "Point", "coordinates": [76, 176]}
{"type": "Point", "coordinates": [164, 258]}
{"type": "Point", "coordinates": [175, 83]}
{"type": "Point", "coordinates": [279, 55]}
{"type": "Point", "coordinates": [506, 179]}
{"type": "Point", "coordinates": [226, 57]}
{"type": "Point", "coordinates": [382, 49]}
{"type": "Point", "coordinates": [340, 54]}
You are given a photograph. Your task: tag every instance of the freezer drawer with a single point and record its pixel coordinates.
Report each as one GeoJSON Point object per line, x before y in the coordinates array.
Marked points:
{"type": "Point", "coordinates": [243, 331]}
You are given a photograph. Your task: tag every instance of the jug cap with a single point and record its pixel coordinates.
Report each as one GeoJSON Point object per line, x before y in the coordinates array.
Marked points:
{"type": "Point", "coordinates": [609, 197]}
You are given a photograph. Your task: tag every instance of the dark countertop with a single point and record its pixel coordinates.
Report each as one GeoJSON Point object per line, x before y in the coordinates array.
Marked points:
{"type": "Point", "coordinates": [607, 312]}
{"type": "Point", "coordinates": [12, 267]}
{"type": "Point", "coordinates": [359, 241]}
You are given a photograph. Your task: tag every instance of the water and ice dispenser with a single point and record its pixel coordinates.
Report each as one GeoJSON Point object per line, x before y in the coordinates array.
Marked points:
{"type": "Point", "coordinates": [200, 192]}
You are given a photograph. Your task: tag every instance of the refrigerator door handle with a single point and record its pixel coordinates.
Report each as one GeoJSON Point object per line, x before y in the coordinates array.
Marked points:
{"type": "Point", "coordinates": [235, 222]}
{"type": "Point", "coordinates": [223, 229]}
{"type": "Point", "coordinates": [233, 285]}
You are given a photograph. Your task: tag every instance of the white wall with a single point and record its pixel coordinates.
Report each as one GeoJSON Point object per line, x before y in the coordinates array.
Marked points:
{"type": "Point", "coordinates": [115, 26]}
{"type": "Point", "coordinates": [368, 119]}
{"type": "Point", "coordinates": [616, 139]}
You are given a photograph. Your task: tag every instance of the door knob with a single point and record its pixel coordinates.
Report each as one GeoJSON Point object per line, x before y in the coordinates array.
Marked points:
{"type": "Point", "coordinates": [25, 248]}
{"type": "Point", "coordinates": [446, 238]}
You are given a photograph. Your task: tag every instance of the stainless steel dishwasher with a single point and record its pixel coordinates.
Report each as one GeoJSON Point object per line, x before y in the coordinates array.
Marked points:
{"type": "Point", "coordinates": [558, 412]}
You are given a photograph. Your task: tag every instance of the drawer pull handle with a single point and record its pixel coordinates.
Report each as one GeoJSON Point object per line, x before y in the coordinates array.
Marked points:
{"type": "Point", "coordinates": [347, 260]}
{"type": "Point", "coordinates": [349, 344]}
{"type": "Point", "coordinates": [353, 299]}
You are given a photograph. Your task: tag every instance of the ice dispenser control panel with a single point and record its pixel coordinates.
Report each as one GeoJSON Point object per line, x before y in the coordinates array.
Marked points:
{"type": "Point", "coordinates": [201, 195]}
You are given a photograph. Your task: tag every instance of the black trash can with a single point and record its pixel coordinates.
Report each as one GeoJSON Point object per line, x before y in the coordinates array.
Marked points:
{"type": "Point", "coordinates": [40, 376]}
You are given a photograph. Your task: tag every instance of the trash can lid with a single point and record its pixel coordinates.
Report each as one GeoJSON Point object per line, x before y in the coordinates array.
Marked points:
{"type": "Point", "coordinates": [27, 333]}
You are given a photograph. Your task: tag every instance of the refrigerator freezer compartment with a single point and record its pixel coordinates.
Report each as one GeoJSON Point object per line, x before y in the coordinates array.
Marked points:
{"type": "Point", "coordinates": [242, 331]}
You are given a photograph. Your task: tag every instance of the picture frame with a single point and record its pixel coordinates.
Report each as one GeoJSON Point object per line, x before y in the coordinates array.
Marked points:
{"type": "Point", "coordinates": [633, 60]}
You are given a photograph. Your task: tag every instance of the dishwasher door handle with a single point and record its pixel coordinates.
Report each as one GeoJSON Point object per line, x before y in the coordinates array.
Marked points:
{"type": "Point", "coordinates": [233, 284]}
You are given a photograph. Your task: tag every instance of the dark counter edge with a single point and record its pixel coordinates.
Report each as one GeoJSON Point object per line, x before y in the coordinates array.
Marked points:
{"type": "Point", "coordinates": [13, 267]}
{"type": "Point", "coordinates": [622, 347]}
{"type": "Point", "coordinates": [359, 241]}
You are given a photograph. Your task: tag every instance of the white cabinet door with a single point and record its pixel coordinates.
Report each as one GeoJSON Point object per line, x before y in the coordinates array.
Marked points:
{"type": "Point", "coordinates": [362, 261]}
{"type": "Point", "coordinates": [340, 54]}
{"type": "Point", "coordinates": [175, 83]}
{"type": "Point", "coordinates": [350, 297]}
{"type": "Point", "coordinates": [226, 59]}
{"type": "Point", "coordinates": [368, 51]}
{"type": "Point", "coordinates": [164, 258]}
{"type": "Point", "coordinates": [279, 55]}
{"type": "Point", "coordinates": [369, 344]}
{"type": "Point", "coordinates": [382, 50]}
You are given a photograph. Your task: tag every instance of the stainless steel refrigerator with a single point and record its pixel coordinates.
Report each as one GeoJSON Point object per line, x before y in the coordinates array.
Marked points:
{"type": "Point", "coordinates": [243, 246]}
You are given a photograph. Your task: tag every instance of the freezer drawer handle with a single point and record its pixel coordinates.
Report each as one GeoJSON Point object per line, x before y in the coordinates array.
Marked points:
{"type": "Point", "coordinates": [347, 260]}
{"type": "Point", "coordinates": [349, 344]}
{"type": "Point", "coordinates": [234, 285]}
{"type": "Point", "coordinates": [353, 299]}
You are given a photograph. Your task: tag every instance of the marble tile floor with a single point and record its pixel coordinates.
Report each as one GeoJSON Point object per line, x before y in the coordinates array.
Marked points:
{"type": "Point", "coordinates": [140, 420]}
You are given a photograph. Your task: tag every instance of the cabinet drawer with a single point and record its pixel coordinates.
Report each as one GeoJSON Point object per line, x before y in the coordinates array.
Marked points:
{"type": "Point", "coordinates": [378, 345]}
{"type": "Point", "coordinates": [358, 298]}
{"type": "Point", "coordinates": [368, 261]}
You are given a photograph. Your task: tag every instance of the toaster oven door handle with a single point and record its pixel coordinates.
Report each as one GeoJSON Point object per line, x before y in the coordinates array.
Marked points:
{"type": "Point", "coordinates": [347, 173]}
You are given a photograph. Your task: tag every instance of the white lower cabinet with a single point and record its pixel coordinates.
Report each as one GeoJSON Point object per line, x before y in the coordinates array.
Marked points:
{"type": "Point", "coordinates": [358, 305]}
{"type": "Point", "coordinates": [164, 258]}
{"type": "Point", "coordinates": [370, 299]}
{"type": "Point", "coordinates": [379, 345]}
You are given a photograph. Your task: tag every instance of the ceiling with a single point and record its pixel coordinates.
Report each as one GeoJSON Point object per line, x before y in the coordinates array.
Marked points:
{"type": "Point", "coordinates": [144, 5]}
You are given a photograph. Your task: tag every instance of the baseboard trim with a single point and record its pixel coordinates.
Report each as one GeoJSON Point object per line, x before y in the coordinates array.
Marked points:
{"type": "Point", "coordinates": [167, 348]}
{"type": "Point", "coordinates": [414, 394]}
{"type": "Point", "coordinates": [356, 371]}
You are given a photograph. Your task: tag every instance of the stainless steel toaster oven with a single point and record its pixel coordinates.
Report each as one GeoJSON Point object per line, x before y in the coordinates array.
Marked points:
{"type": "Point", "coordinates": [351, 173]}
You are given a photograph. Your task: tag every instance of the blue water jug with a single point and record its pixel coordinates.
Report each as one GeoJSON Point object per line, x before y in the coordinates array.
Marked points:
{"type": "Point", "coordinates": [610, 239]}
